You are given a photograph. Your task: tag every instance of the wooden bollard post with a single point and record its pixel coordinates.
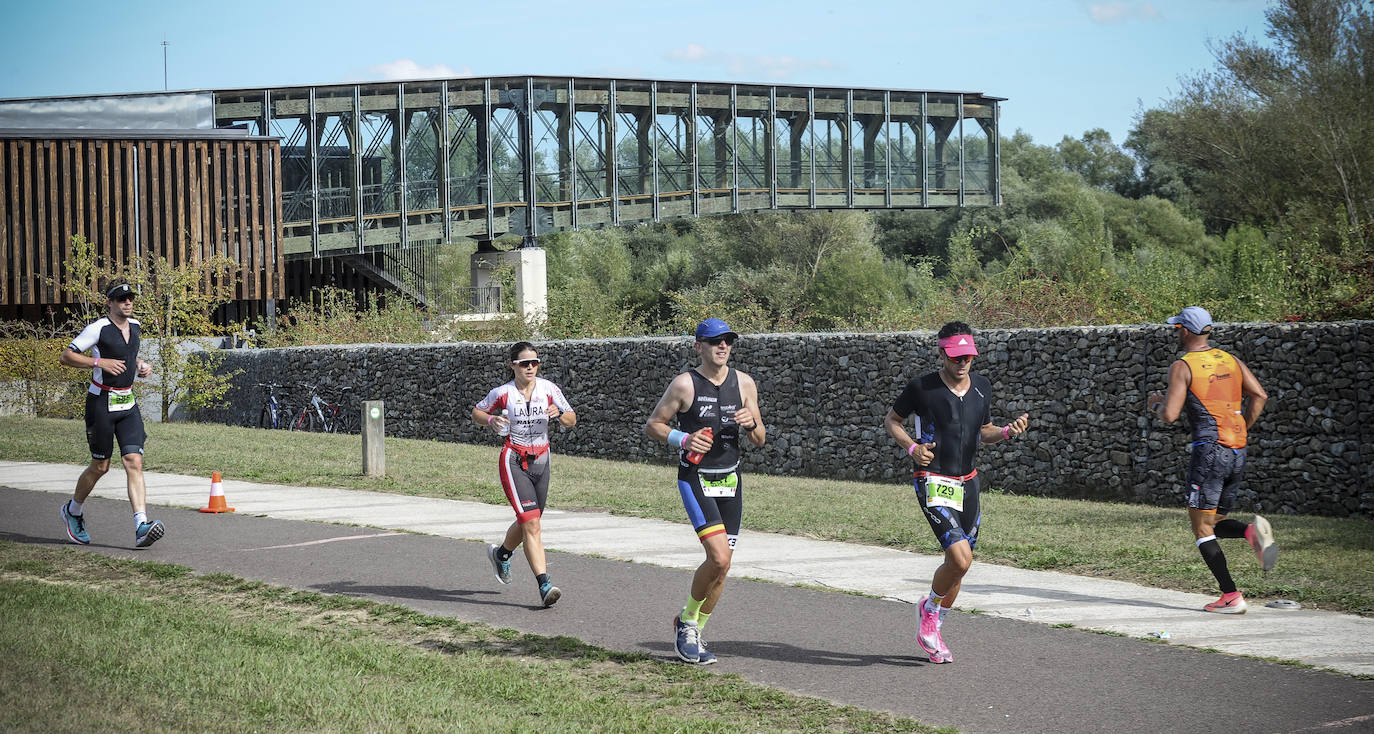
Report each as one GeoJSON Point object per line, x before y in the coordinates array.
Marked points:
{"type": "Point", "coordinates": [374, 438]}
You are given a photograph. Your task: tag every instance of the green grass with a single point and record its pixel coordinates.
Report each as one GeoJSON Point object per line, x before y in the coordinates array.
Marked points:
{"type": "Point", "coordinates": [1326, 562]}
{"type": "Point", "coordinates": [95, 644]}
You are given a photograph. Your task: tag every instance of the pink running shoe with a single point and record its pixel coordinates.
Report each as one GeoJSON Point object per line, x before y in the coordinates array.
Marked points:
{"type": "Point", "coordinates": [1231, 603]}
{"type": "Point", "coordinates": [928, 633]}
{"type": "Point", "coordinates": [943, 655]}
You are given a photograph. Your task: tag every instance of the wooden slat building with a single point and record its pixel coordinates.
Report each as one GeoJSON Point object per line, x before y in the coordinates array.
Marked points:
{"type": "Point", "coordinates": [132, 192]}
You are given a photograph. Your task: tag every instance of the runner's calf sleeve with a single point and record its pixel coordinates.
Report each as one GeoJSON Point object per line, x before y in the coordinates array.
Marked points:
{"type": "Point", "coordinates": [692, 611]}
{"type": "Point", "coordinates": [1229, 528]}
{"type": "Point", "coordinates": [1216, 561]}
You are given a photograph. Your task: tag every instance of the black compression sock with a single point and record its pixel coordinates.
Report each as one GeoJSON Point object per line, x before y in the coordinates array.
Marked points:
{"type": "Point", "coordinates": [1216, 561]}
{"type": "Point", "coordinates": [1229, 528]}
{"type": "Point", "coordinates": [502, 554]}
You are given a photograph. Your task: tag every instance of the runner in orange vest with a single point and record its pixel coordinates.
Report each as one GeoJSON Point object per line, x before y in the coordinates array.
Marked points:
{"type": "Point", "coordinates": [1213, 386]}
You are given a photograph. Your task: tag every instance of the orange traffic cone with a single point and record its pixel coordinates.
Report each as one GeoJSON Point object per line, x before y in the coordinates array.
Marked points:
{"type": "Point", "coordinates": [217, 503]}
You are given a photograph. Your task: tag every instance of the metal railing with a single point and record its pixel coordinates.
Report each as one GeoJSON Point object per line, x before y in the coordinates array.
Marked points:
{"type": "Point", "coordinates": [484, 299]}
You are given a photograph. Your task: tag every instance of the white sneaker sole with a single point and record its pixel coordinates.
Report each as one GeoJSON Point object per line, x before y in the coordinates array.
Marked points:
{"type": "Point", "coordinates": [1268, 550]}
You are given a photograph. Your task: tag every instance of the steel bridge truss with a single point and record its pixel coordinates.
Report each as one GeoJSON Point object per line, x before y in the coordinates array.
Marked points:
{"type": "Point", "coordinates": [374, 167]}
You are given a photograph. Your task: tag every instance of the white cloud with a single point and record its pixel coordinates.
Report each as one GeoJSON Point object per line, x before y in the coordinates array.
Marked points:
{"type": "Point", "coordinates": [694, 53]}
{"type": "Point", "coordinates": [407, 69]}
{"type": "Point", "coordinates": [1118, 12]}
{"type": "Point", "coordinates": [761, 67]}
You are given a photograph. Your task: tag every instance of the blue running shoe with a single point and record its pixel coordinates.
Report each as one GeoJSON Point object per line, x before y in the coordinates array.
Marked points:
{"type": "Point", "coordinates": [76, 526]}
{"type": "Point", "coordinates": [549, 593]}
{"type": "Point", "coordinates": [147, 533]}
{"type": "Point", "coordinates": [688, 642]}
{"type": "Point", "coordinates": [502, 568]}
{"type": "Point", "coordinates": [704, 656]}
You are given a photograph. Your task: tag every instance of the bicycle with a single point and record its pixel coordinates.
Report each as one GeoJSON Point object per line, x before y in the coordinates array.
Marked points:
{"type": "Point", "coordinates": [326, 416]}
{"type": "Point", "coordinates": [275, 413]}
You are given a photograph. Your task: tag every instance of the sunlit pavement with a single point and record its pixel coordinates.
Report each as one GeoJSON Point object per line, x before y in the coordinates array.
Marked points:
{"type": "Point", "coordinates": [1340, 642]}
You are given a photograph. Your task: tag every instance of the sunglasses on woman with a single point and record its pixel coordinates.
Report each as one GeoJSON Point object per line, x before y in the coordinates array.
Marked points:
{"type": "Point", "coordinates": [522, 363]}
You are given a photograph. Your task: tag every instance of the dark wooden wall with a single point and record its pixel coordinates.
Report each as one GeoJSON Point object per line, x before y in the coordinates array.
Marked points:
{"type": "Point", "coordinates": [133, 196]}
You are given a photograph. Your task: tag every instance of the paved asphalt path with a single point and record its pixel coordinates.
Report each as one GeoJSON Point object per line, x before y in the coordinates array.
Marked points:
{"type": "Point", "coordinates": [1009, 676]}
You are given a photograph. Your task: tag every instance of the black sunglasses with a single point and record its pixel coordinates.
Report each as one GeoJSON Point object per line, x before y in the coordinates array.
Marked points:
{"type": "Point", "coordinates": [716, 341]}
{"type": "Point", "coordinates": [122, 299]}
{"type": "Point", "coordinates": [526, 363]}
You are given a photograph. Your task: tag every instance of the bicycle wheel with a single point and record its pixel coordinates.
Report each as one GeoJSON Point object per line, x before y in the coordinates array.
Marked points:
{"type": "Point", "coordinates": [304, 421]}
{"type": "Point", "coordinates": [348, 421]}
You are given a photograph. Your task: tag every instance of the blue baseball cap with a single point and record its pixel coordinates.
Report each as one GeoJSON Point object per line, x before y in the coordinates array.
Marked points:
{"type": "Point", "coordinates": [712, 328]}
{"type": "Point", "coordinates": [1193, 318]}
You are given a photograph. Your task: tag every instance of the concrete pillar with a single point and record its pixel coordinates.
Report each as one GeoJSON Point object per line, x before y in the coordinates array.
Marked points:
{"type": "Point", "coordinates": [531, 277]}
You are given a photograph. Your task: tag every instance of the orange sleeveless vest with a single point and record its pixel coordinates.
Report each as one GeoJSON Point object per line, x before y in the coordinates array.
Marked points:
{"type": "Point", "coordinates": [1215, 397]}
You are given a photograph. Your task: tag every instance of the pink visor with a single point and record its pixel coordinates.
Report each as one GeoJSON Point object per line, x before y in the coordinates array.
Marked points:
{"type": "Point", "coordinates": [958, 345]}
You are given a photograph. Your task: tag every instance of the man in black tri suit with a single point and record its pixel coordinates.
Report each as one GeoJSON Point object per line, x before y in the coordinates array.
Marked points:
{"type": "Point", "coordinates": [111, 412]}
{"type": "Point", "coordinates": [953, 414]}
{"type": "Point", "coordinates": [714, 405]}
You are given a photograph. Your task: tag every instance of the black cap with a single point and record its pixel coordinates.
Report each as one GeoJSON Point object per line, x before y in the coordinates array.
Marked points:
{"type": "Point", "coordinates": [119, 292]}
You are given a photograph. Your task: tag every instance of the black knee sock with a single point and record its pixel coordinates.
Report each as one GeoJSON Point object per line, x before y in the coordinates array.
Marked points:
{"type": "Point", "coordinates": [502, 554]}
{"type": "Point", "coordinates": [1229, 528]}
{"type": "Point", "coordinates": [1216, 561]}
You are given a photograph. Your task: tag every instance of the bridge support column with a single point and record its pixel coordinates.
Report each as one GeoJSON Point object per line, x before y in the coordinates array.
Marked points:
{"type": "Point", "coordinates": [531, 278]}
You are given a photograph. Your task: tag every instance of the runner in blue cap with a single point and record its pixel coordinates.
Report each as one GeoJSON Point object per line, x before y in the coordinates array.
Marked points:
{"type": "Point", "coordinates": [1222, 399]}
{"type": "Point", "coordinates": [714, 405]}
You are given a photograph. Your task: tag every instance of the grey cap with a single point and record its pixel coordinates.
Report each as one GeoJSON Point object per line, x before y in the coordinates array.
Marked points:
{"type": "Point", "coordinates": [1193, 318]}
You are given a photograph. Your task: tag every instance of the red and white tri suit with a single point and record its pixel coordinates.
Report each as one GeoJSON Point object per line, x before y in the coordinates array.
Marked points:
{"type": "Point", "coordinates": [524, 462]}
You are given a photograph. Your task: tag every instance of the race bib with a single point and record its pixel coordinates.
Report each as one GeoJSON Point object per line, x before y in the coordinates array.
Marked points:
{"type": "Point", "coordinates": [945, 492]}
{"type": "Point", "coordinates": [121, 400]}
{"type": "Point", "coordinates": [723, 487]}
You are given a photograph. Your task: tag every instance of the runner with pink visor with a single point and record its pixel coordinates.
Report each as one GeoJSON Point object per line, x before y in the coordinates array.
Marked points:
{"type": "Point", "coordinates": [959, 345]}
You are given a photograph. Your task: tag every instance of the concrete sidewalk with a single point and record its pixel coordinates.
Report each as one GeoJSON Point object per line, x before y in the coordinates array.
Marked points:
{"type": "Point", "coordinates": [1325, 639]}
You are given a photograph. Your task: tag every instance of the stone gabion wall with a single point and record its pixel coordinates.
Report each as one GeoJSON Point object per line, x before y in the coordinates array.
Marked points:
{"type": "Point", "coordinates": [824, 397]}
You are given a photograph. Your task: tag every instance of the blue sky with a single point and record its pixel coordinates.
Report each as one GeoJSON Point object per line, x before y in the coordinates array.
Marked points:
{"type": "Point", "coordinates": [1065, 65]}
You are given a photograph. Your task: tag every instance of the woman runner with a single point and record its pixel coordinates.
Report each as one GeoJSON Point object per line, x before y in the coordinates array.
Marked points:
{"type": "Point", "coordinates": [521, 410]}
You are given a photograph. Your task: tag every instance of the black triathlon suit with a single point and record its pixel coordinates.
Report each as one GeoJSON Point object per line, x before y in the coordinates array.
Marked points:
{"type": "Point", "coordinates": [111, 412]}
{"type": "Point", "coordinates": [712, 491]}
{"type": "Point", "coordinates": [954, 425]}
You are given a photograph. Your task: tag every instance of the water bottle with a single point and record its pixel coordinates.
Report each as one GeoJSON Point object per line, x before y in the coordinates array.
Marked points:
{"type": "Point", "coordinates": [503, 427]}
{"type": "Point", "coordinates": [695, 456]}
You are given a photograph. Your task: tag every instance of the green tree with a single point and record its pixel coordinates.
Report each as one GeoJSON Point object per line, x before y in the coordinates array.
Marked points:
{"type": "Point", "coordinates": [1280, 133]}
{"type": "Point", "coordinates": [28, 364]}
{"type": "Point", "coordinates": [1099, 161]}
{"type": "Point", "coordinates": [175, 303]}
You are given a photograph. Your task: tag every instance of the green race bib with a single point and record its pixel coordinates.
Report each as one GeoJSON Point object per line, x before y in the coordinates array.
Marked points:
{"type": "Point", "coordinates": [945, 492]}
{"type": "Point", "coordinates": [723, 487]}
{"type": "Point", "coordinates": [121, 400]}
